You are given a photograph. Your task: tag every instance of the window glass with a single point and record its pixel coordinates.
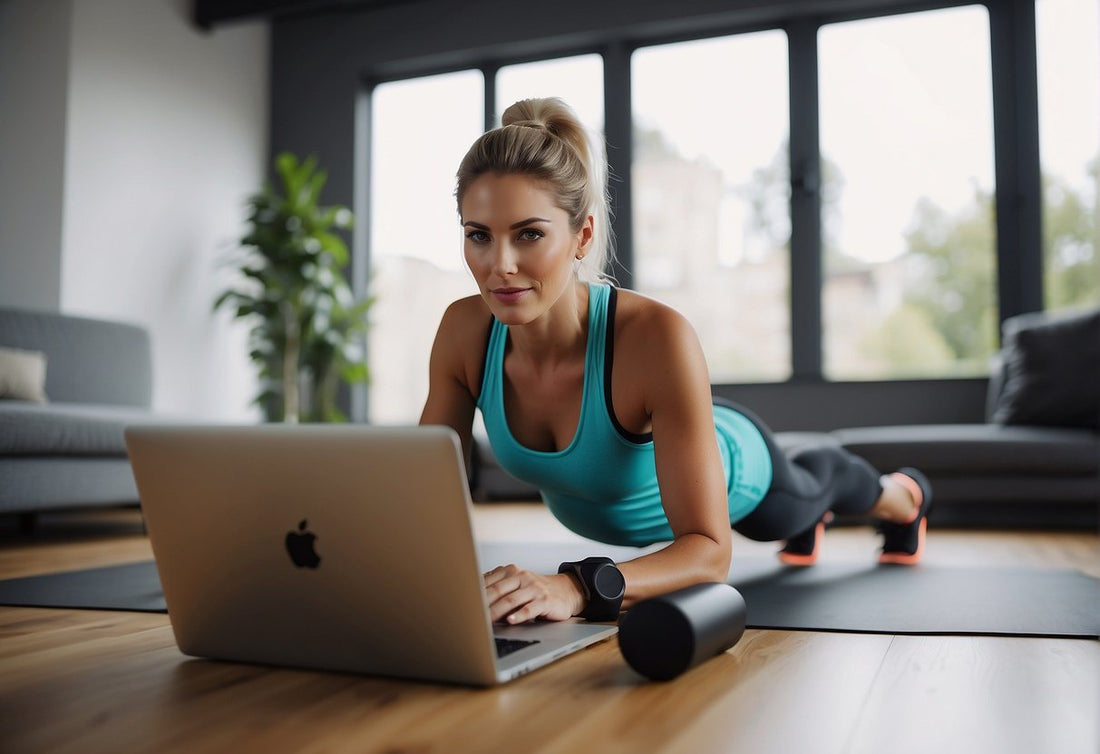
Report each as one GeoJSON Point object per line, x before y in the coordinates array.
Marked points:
{"type": "Point", "coordinates": [1068, 40]}
{"type": "Point", "coordinates": [908, 227]}
{"type": "Point", "coordinates": [415, 239]}
{"type": "Point", "coordinates": [711, 192]}
{"type": "Point", "coordinates": [578, 80]}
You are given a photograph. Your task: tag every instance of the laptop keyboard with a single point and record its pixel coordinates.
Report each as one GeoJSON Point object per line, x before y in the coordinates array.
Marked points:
{"type": "Point", "coordinates": [508, 646]}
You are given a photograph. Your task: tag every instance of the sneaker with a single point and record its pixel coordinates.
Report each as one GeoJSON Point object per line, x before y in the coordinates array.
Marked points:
{"type": "Point", "coordinates": [903, 544]}
{"type": "Point", "coordinates": [803, 549]}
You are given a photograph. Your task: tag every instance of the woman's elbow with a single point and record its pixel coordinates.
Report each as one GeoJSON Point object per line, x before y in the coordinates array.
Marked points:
{"type": "Point", "coordinates": [717, 562]}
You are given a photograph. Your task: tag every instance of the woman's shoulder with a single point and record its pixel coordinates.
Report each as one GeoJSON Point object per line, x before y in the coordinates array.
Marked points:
{"type": "Point", "coordinates": [639, 317]}
{"type": "Point", "coordinates": [658, 357]}
{"type": "Point", "coordinates": [649, 332]}
{"type": "Point", "coordinates": [461, 340]}
{"type": "Point", "coordinates": [469, 316]}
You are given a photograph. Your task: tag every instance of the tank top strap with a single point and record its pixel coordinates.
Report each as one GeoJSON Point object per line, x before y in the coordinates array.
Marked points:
{"type": "Point", "coordinates": [494, 357]}
{"type": "Point", "coordinates": [596, 370]}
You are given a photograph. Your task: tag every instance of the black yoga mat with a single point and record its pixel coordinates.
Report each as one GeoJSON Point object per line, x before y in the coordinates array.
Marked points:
{"type": "Point", "coordinates": [847, 597]}
{"type": "Point", "coordinates": [133, 586]}
{"type": "Point", "coordinates": [926, 599]}
{"type": "Point", "coordinates": [864, 597]}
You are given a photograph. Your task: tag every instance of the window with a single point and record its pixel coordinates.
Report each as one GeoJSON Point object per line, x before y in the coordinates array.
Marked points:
{"type": "Point", "coordinates": [907, 196]}
{"type": "Point", "coordinates": [711, 196]}
{"type": "Point", "coordinates": [415, 239]}
{"type": "Point", "coordinates": [908, 233]}
{"type": "Point", "coordinates": [1068, 42]}
{"type": "Point", "coordinates": [577, 80]}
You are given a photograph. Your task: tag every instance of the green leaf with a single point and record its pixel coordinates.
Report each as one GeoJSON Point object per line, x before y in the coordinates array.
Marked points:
{"type": "Point", "coordinates": [335, 246]}
{"type": "Point", "coordinates": [355, 373]}
{"type": "Point", "coordinates": [286, 164]}
{"type": "Point", "coordinates": [316, 183]}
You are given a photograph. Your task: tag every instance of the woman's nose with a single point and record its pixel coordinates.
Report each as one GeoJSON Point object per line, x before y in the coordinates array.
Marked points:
{"type": "Point", "coordinates": [504, 259]}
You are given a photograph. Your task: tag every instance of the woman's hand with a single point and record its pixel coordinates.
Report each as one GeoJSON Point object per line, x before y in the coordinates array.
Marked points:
{"type": "Point", "coordinates": [517, 595]}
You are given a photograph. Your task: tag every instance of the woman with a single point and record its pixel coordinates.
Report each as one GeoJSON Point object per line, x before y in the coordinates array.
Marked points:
{"type": "Point", "coordinates": [601, 397]}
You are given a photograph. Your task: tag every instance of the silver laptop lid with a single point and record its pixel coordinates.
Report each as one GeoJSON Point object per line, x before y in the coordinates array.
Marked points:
{"type": "Point", "coordinates": [335, 547]}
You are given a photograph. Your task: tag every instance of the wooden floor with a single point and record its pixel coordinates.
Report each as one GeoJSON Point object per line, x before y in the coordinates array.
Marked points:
{"type": "Point", "coordinates": [90, 681]}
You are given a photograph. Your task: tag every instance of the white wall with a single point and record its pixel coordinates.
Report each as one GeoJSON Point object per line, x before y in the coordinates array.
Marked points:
{"type": "Point", "coordinates": [165, 136]}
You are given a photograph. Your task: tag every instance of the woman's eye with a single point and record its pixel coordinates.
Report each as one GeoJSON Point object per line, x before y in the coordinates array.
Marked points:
{"type": "Point", "coordinates": [478, 236]}
{"type": "Point", "coordinates": [530, 234]}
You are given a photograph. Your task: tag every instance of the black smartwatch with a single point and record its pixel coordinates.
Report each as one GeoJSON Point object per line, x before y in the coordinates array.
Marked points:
{"type": "Point", "coordinates": [603, 585]}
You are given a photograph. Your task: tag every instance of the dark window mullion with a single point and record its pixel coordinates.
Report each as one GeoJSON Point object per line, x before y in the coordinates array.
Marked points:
{"type": "Point", "coordinates": [490, 74]}
{"type": "Point", "coordinates": [805, 175]}
{"type": "Point", "coordinates": [1016, 144]}
{"type": "Point", "coordinates": [618, 133]}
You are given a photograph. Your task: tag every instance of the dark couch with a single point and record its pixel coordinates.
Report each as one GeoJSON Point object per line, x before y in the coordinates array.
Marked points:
{"type": "Point", "coordinates": [1019, 449]}
{"type": "Point", "coordinates": [68, 387]}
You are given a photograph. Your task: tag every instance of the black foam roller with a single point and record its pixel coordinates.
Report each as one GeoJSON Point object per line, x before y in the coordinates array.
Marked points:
{"type": "Point", "coordinates": [663, 636]}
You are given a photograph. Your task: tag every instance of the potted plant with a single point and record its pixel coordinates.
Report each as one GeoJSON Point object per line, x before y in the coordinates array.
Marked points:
{"type": "Point", "coordinates": [307, 325]}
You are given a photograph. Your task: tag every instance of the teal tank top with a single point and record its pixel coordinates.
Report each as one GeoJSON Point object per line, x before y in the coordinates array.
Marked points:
{"type": "Point", "coordinates": [603, 485]}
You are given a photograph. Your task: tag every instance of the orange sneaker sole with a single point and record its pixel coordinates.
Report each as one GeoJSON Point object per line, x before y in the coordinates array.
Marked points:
{"type": "Point", "coordinates": [903, 558]}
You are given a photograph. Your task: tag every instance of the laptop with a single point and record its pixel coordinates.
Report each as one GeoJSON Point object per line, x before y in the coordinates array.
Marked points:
{"type": "Point", "coordinates": [346, 548]}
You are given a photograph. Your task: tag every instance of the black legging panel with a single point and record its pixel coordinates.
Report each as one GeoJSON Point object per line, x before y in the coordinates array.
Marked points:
{"type": "Point", "coordinates": [805, 486]}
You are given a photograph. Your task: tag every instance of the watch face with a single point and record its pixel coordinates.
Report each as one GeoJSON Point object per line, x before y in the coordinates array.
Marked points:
{"type": "Point", "coordinates": [609, 582]}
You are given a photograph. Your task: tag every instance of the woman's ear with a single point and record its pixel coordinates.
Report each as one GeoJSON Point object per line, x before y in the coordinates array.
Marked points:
{"type": "Point", "coordinates": [585, 236]}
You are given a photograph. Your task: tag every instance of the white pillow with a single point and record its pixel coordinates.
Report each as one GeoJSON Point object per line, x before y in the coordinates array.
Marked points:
{"type": "Point", "coordinates": [22, 375]}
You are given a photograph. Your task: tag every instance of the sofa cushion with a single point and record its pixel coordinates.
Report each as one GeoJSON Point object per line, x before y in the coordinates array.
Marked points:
{"type": "Point", "coordinates": [1051, 371]}
{"type": "Point", "coordinates": [65, 428]}
{"type": "Point", "coordinates": [976, 449]}
{"type": "Point", "coordinates": [22, 375]}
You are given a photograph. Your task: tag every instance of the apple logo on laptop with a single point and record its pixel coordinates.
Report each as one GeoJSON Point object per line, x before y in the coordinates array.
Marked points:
{"type": "Point", "coordinates": [299, 545]}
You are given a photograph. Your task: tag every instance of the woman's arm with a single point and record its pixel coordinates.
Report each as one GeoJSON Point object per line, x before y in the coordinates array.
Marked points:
{"type": "Point", "coordinates": [455, 366]}
{"type": "Point", "coordinates": [660, 348]}
{"type": "Point", "coordinates": [454, 369]}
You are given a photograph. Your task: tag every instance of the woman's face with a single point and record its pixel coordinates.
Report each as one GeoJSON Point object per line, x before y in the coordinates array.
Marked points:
{"type": "Point", "coordinates": [519, 245]}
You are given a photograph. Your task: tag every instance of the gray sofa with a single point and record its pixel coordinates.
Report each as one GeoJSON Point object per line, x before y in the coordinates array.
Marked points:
{"type": "Point", "coordinates": [1019, 449]}
{"type": "Point", "coordinates": [68, 387]}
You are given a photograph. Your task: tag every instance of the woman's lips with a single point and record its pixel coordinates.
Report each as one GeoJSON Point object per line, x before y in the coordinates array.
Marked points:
{"type": "Point", "coordinates": [509, 295]}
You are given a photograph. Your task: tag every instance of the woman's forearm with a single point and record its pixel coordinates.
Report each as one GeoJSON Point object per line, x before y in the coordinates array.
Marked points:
{"type": "Point", "coordinates": [691, 559]}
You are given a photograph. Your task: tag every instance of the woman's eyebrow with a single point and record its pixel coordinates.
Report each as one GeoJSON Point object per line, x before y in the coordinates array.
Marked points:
{"type": "Point", "coordinates": [513, 226]}
{"type": "Point", "coordinates": [528, 221]}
